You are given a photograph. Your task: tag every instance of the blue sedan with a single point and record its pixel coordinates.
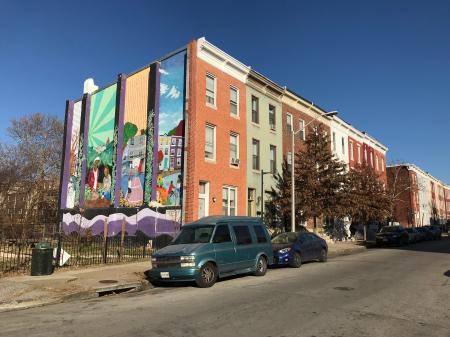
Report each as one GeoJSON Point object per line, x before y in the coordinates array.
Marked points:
{"type": "Point", "coordinates": [295, 248]}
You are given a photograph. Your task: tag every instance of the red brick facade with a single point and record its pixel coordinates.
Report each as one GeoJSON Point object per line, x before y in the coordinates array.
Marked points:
{"type": "Point", "coordinates": [218, 172]}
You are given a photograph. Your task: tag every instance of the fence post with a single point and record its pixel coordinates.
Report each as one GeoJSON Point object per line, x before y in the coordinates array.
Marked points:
{"type": "Point", "coordinates": [58, 246]}
{"type": "Point", "coordinates": [105, 240]}
{"type": "Point", "coordinates": [122, 238]}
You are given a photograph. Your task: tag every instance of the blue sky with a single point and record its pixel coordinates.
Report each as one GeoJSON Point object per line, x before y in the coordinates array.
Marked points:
{"type": "Point", "coordinates": [384, 65]}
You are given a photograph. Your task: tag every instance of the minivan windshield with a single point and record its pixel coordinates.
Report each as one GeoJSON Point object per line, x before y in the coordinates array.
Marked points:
{"type": "Point", "coordinates": [285, 238]}
{"type": "Point", "coordinates": [194, 234]}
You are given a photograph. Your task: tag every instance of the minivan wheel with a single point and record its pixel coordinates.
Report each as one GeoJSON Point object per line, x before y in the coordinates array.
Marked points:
{"type": "Point", "coordinates": [296, 260]}
{"type": "Point", "coordinates": [323, 256]}
{"type": "Point", "coordinates": [207, 276]}
{"type": "Point", "coordinates": [261, 266]}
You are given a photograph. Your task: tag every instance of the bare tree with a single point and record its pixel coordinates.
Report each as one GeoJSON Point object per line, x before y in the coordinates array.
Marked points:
{"type": "Point", "coordinates": [30, 165]}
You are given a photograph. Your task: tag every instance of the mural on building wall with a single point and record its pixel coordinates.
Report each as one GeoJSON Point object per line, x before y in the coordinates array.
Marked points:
{"type": "Point", "coordinates": [73, 185]}
{"type": "Point", "coordinates": [171, 130]}
{"type": "Point", "coordinates": [134, 140]}
{"type": "Point", "coordinates": [100, 149]}
{"type": "Point", "coordinates": [150, 122]}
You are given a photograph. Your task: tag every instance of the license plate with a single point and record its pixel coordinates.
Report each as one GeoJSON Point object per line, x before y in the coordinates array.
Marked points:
{"type": "Point", "coordinates": [165, 274]}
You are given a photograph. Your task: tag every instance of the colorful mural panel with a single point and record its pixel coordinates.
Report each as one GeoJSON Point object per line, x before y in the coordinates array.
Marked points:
{"type": "Point", "coordinates": [134, 140]}
{"type": "Point", "coordinates": [73, 186]}
{"type": "Point", "coordinates": [171, 130]}
{"type": "Point", "coordinates": [100, 149]}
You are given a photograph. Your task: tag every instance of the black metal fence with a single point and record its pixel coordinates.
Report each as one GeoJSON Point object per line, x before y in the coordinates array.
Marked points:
{"type": "Point", "coordinates": [80, 250]}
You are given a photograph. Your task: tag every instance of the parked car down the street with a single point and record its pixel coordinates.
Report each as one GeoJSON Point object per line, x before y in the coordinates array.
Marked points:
{"type": "Point", "coordinates": [213, 247]}
{"type": "Point", "coordinates": [392, 235]}
{"type": "Point", "coordinates": [295, 248]}
{"type": "Point", "coordinates": [426, 233]}
{"type": "Point", "coordinates": [435, 231]}
{"type": "Point", "coordinates": [413, 235]}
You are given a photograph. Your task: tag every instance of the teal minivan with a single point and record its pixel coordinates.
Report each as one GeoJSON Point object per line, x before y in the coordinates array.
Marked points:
{"type": "Point", "coordinates": [213, 247]}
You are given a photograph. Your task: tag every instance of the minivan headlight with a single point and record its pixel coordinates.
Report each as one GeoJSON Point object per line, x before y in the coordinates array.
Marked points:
{"type": "Point", "coordinates": [187, 261]}
{"type": "Point", "coordinates": [153, 259]}
{"type": "Point", "coordinates": [284, 250]}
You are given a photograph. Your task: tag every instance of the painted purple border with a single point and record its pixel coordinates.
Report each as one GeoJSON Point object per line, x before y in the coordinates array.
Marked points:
{"type": "Point", "coordinates": [119, 156]}
{"type": "Point", "coordinates": [87, 113]}
{"type": "Point", "coordinates": [155, 134]}
{"type": "Point", "coordinates": [66, 161]}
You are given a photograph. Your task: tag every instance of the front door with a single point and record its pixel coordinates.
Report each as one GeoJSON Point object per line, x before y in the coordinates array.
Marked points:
{"type": "Point", "coordinates": [225, 249]}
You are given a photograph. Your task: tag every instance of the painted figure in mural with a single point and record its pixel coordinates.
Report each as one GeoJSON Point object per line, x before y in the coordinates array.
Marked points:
{"type": "Point", "coordinates": [106, 186]}
{"type": "Point", "coordinates": [94, 178]}
{"type": "Point", "coordinates": [135, 191]}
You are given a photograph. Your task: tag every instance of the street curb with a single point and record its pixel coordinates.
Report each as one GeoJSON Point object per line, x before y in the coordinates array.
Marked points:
{"type": "Point", "coordinates": [135, 286]}
{"type": "Point", "coordinates": [349, 251]}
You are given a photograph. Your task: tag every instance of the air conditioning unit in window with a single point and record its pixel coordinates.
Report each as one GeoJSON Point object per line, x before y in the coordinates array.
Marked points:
{"type": "Point", "coordinates": [273, 127]}
{"type": "Point", "coordinates": [235, 161]}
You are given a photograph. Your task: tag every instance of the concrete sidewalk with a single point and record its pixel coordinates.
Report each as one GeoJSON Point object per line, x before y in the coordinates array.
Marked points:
{"type": "Point", "coordinates": [21, 292]}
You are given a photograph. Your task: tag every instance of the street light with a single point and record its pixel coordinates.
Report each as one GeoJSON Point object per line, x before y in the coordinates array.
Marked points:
{"type": "Point", "coordinates": [326, 114]}
{"type": "Point", "coordinates": [263, 173]}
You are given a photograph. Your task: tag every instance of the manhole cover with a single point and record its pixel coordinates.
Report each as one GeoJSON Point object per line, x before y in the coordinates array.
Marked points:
{"type": "Point", "coordinates": [107, 281]}
{"type": "Point", "coordinates": [344, 288]}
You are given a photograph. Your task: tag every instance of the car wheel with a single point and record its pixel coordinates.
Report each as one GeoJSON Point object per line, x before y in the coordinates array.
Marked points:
{"type": "Point", "coordinates": [296, 260]}
{"type": "Point", "coordinates": [207, 276]}
{"type": "Point", "coordinates": [261, 266]}
{"type": "Point", "coordinates": [323, 256]}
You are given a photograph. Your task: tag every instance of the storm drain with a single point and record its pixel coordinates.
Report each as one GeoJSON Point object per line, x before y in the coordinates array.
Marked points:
{"type": "Point", "coordinates": [115, 289]}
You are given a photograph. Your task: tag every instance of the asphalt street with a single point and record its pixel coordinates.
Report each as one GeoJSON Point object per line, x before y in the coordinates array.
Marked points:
{"type": "Point", "coordinates": [380, 292]}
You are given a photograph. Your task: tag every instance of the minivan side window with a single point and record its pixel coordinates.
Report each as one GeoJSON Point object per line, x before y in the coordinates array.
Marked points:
{"type": "Point", "coordinates": [243, 236]}
{"type": "Point", "coordinates": [260, 235]}
{"type": "Point", "coordinates": [222, 234]}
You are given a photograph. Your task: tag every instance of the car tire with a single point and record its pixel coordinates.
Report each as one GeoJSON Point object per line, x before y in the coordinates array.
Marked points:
{"type": "Point", "coordinates": [323, 256]}
{"type": "Point", "coordinates": [207, 276]}
{"type": "Point", "coordinates": [261, 266]}
{"type": "Point", "coordinates": [296, 260]}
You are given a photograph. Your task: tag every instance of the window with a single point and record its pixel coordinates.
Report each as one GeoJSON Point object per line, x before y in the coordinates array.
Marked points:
{"type": "Point", "coordinates": [210, 90]}
{"type": "Point", "coordinates": [222, 234]}
{"type": "Point", "coordinates": [203, 199]}
{"type": "Point", "coordinates": [334, 141]}
{"type": "Point", "coordinates": [251, 199]}
{"type": "Point", "coordinates": [255, 163]}
{"type": "Point", "coordinates": [255, 110]}
{"type": "Point", "coordinates": [365, 155]}
{"type": "Point", "coordinates": [210, 142]}
{"type": "Point", "coordinates": [178, 152]}
{"type": "Point", "coordinates": [273, 159]}
{"type": "Point", "coordinates": [377, 163]}
{"type": "Point", "coordinates": [382, 164]}
{"type": "Point", "coordinates": [343, 145]}
{"type": "Point", "coordinates": [260, 234]}
{"type": "Point", "coordinates": [178, 161]}
{"type": "Point", "coordinates": [229, 200]}
{"type": "Point", "coordinates": [358, 148]}
{"type": "Point", "coordinates": [371, 159]}
{"type": "Point", "coordinates": [174, 141]}
{"type": "Point", "coordinates": [272, 118]}
{"type": "Point", "coordinates": [234, 102]}
{"type": "Point", "coordinates": [234, 152]}
{"type": "Point", "coordinates": [289, 158]}
{"type": "Point", "coordinates": [351, 151]}
{"type": "Point", "coordinates": [243, 236]}
{"type": "Point", "coordinates": [289, 123]}
{"type": "Point", "coordinates": [302, 132]}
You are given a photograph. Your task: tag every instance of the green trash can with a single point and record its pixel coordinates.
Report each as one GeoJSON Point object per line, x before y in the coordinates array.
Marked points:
{"type": "Point", "coordinates": [41, 259]}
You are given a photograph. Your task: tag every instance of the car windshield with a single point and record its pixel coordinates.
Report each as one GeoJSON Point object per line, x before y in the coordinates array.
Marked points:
{"type": "Point", "coordinates": [389, 229]}
{"type": "Point", "coordinates": [285, 238]}
{"type": "Point", "coordinates": [194, 234]}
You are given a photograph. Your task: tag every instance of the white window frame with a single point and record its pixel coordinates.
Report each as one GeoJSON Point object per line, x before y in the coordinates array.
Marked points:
{"type": "Point", "coordinates": [302, 131]}
{"type": "Point", "coordinates": [352, 156]}
{"type": "Point", "coordinates": [270, 158]}
{"type": "Point", "coordinates": [274, 117]}
{"type": "Point", "coordinates": [358, 147]}
{"type": "Point", "coordinates": [229, 188]}
{"type": "Point", "coordinates": [259, 154]}
{"type": "Point", "coordinates": [343, 145]}
{"type": "Point", "coordinates": [377, 163]}
{"type": "Point", "coordinates": [334, 141]}
{"type": "Point", "coordinates": [382, 164]}
{"type": "Point", "coordinates": [235, 134]}
{"type": "Point", "coordinates": [232, 87]}
{"type": "Point", "coordinates": [204, 196]}
{"type": "Point", "coordinates": [215, 90]}
{"type": "Point", "coordinates": [371, 159]}
{"type": "Point", "coordinates": [291, 128]}
{"type": "Point", "coordinates": [257, 109]}
{"type": "Point", "coordinates": [214, 140]}
{"type": "Point", "coordinates": [289, 158]}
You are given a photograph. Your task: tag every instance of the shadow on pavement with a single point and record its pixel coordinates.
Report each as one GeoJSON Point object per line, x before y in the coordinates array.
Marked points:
{"type": "Point", "coordinates": [433, 246]}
